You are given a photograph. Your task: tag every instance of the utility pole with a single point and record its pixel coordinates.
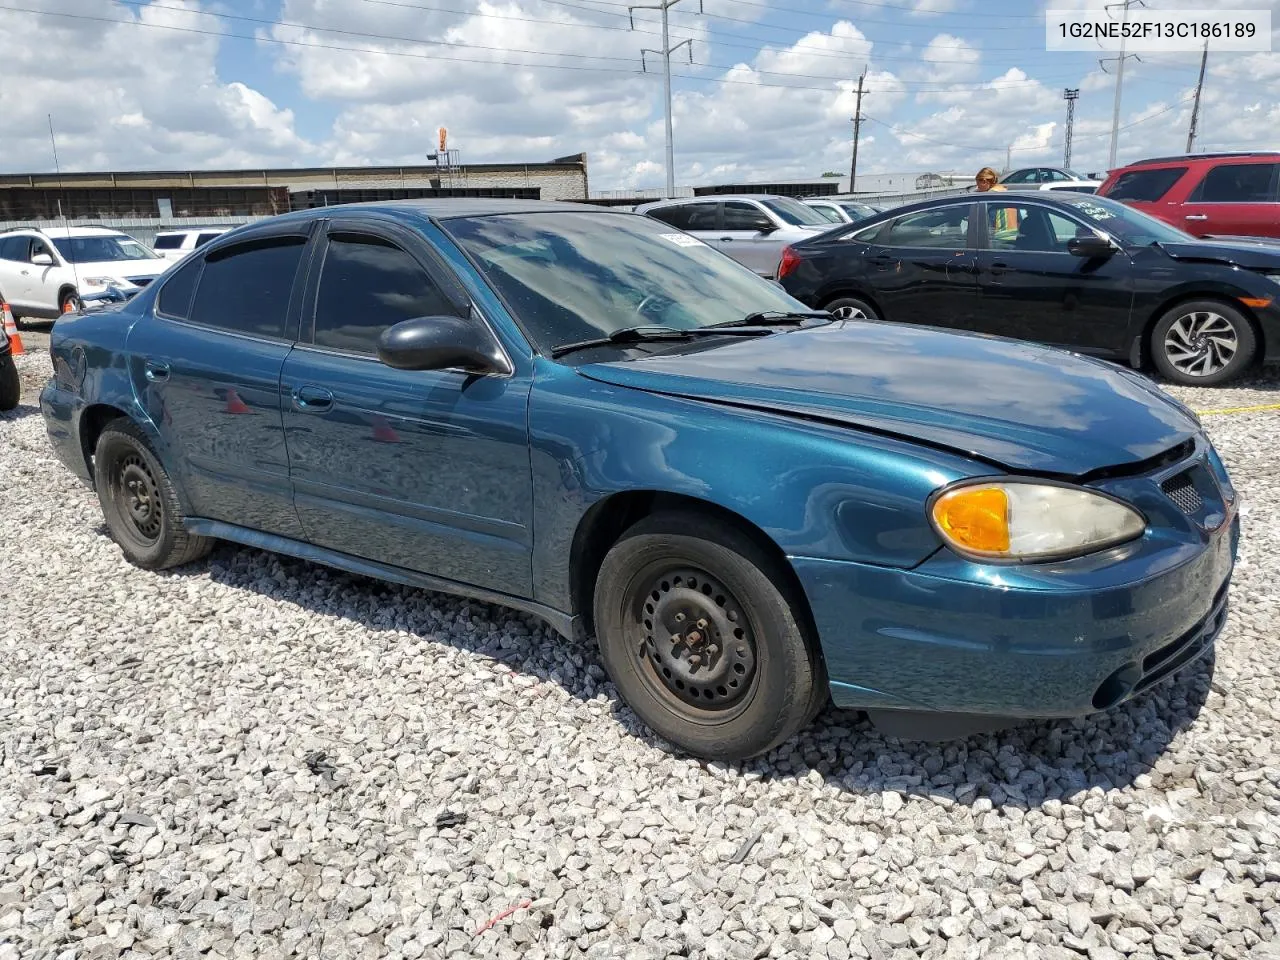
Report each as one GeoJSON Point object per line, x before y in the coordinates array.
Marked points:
{"type": "Point", "coordinates": [857, 128]}
{"type": "Point", "coordinates": [665, 53]}
{"type": "Point", "coordinates": [1115, 113]}
{"type": "Point", "coordinates": [1195, 107]}
{"type": "Point", "coordinates": [1071, 96]}
{"type": "Point", "coordinates": [1008, 158]}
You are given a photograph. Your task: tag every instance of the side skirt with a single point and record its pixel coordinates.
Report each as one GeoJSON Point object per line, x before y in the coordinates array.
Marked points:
{"type": "Point", "coordinates": [562, 623]}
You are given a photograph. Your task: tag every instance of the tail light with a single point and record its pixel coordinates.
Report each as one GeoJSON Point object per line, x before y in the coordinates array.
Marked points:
{"type": "Point", "coordinates": [790, 260]}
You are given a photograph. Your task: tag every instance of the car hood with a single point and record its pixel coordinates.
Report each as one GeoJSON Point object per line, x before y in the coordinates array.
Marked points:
{"type": "Point", "coordinates": [1016, 405]}
{"type": "Point", "coordinates": [123, 268]}
{"type": "Point", "coordinates": [1252, 254]}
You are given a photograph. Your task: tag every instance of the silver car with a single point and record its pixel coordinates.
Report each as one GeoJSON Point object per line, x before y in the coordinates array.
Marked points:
{"type": "Point", "coordinates": [751, 228]}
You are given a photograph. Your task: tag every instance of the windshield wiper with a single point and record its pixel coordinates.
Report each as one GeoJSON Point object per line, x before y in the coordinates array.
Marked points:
{"type": "Point", "coordinates": [774, 318]}
{"type": "Point", "coordinates": [647, 334]}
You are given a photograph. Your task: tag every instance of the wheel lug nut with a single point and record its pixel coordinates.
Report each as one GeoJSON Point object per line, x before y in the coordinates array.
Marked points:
{"type": "Point", "coordinates": [702, 624]}
{"type": "Point", "coordinates": [679, 618]}
{"type": "Point", "coordinates": [695, 660]}
{"type": "Point", "coordinates": [712, 650]}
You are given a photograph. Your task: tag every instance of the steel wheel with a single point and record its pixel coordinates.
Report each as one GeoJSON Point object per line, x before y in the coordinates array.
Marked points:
{"type": "Point", "coordinates": [139, 499]}
{"type": "Point", "coordinates": [1201, 343]}
{"type": "Point", "coordinates": [849, 313]}
{"type": "Point", "coordinates": [697, 647]}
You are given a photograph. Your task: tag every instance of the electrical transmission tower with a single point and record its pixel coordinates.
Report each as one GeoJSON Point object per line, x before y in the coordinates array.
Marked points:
{"type": "Point", "coordinates": [1115, 114]}
{"type": "Point", "coordinates": [1071, 96]}
{"type": "Point", "coordinates": [665, 53]}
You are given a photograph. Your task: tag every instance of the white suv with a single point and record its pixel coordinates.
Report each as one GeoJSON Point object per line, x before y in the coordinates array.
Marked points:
{"type": "Point", "coordinates": [176, 244]}
{"type": "Point", "coordinates": [43, 272]}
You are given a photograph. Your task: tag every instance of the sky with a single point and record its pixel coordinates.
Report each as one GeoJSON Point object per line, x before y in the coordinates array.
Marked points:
{"type": "Point", "coordinates": [950, 85]}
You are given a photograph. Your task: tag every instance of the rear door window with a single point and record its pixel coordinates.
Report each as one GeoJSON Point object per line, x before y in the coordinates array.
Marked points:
{"type": "Point", "coordinates": [168, 241]}
{"type": "Point", "coordinates": [1145, 185]}
{"type": "Point", "coordinates": [246, 288]}
{"type": "Point", "coordinates": [948, 227]}
{"type": "Point", "coordinates": [204, 238]}
{"type": "Point", "coordinates": [1237, 183]}
{"type": "Point", "coordinates": [175, 296]}
{"type": "Point", "coordinates": [366, 285]}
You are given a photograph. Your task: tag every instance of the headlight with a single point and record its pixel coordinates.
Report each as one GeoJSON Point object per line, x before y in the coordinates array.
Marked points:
{"type": "Point", "coordinates": [100, 281]}
{"type": "Point", "coordinates": [1026, 520]}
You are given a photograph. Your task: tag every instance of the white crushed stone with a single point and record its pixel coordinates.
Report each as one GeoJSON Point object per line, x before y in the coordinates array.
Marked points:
{"type": "Point", "coordinates": [248, 758]}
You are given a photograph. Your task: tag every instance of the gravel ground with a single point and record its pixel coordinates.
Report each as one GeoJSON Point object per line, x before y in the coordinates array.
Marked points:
{"type": "Point", "coordinates": [254, 757]}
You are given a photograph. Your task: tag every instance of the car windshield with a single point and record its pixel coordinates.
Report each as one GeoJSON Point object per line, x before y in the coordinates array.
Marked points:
{"type": "Point", "coordinates": [1125, 223]}
{"type": "Point", "coordinates": [794, 212]}
{"type": "Point", "coordinates": [101, 249]}
{"type": "Point", "coordinates": [570, 277]}
{"type": "Point", "coordinates": [859, 211]}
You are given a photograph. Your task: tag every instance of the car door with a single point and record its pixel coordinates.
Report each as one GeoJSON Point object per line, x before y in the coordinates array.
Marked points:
{"type": "Point", "coordinates": [1032, 288]}
{"type": "Point", "coordinates": [1235, 200]}
{"type": "Point", "coordinates": [425, 470]}
{"type": "Point", "coordinates": [206, 365]}
{"type": "Point", "coordinates": [42, 282]}
{"type": "Point", "coordinates": [920, 267]}
{"type": "Point", "coordinates": [15, 264]}
{"type": "Point", "coordinates": [747, 235]}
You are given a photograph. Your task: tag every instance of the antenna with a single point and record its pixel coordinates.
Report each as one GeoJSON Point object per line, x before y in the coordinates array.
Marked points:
{"type": "Point", "coordinates": [62, 204]}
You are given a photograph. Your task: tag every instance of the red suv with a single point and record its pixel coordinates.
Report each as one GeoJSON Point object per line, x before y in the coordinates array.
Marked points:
{"type": "Point", "coordinates": [1206, 194]}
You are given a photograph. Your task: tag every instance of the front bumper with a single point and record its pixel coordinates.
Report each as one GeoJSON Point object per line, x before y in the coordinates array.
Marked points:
{"type": "Point", "coordinates": [1018, 642]}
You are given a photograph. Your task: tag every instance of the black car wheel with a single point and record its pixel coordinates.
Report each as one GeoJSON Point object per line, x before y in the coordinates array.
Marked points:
{"type": "Point", "coordinates": [699, 635]}
{"type": "Point", "coordinates": [1203, 343]}
{"type": "Point", "coordinates": [10, 384]}
{"type": "Point", "coordinates": [139, 503]}
{"type": "Point", "coordinates": [852, 308]}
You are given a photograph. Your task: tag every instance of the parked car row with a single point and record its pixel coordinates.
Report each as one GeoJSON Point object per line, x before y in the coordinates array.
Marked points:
{"type": "Point", "coordinates": [751, 504]}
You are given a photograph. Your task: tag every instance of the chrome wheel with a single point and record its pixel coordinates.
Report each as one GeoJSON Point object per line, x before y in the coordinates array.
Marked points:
{"type": "Point", "coordinates": [1201, 343]}
{"type": "Point", "coordinates": [851, 313]}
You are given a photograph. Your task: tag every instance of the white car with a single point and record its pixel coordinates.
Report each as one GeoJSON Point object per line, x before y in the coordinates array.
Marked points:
{"type": "Point", "coordinates": [752, 229]}
{"type": "Point", "coordinates": [44, 272]}
{"type": "Point", "coordinates": [176, 244]}
{"type": "Point", "coordinates": [842, 211]}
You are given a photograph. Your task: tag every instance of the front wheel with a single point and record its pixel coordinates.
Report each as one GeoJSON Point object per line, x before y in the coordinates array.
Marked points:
{"type": "Point", "coordinates": [1203, 343]}
{"type": "Point", "coordinates": [698, 631]}
{"type": "Point", "coordinates": [852, 308]}
{"type": "Point", "coordinates": [139, 502]}
{"type": "Point", "coordinates": [69, 303]}
{"type": "Point", "coordinates": [10, 384]}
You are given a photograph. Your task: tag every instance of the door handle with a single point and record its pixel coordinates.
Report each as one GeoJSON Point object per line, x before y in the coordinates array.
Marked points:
{"type": "Point", "coordinates": [999, 268]}
{"type": "Point", "coordinates": [312, 399]}
{"type": "Point", "coordinates": [726, 239]}
{"type": "Point", "coordinates": [1197, 216]}
{"type": "Point", "coordinates": [155, 371]}
{"type": "Point", "coordinates": [26, 273]}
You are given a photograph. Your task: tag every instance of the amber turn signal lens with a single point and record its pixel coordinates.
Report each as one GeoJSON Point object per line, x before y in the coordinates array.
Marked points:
{"type": "Point", "coordinates": [975, 518]}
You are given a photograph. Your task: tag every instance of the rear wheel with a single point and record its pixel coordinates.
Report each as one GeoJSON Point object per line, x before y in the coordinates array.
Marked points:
{"type": "Point", "coordinates": [1203, 343]}
{"type": "Point", "coordinates": [852, 308]}
{"type": "Point", "coordinates": [139, 502]}
{"type": "Point", "coordinates": [698, 632]}
{"type": "Point", "coordinates": [10, 384]}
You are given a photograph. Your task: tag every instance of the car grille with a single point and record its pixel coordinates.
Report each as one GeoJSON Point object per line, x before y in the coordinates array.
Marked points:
{"type": "Point", "coordinates": [1181, 489]}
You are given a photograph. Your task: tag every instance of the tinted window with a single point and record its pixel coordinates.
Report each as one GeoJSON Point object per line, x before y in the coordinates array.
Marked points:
{"type": "Point", "coordinates": [14, 248]}
{"type": "Point", "coordinates": [827, 213]}
{"type": "Point", "coordinates": [1145, 185]}
{"type": "Point", "coordinates": [1021, 176]}
{"type": "Point", "coordinates": [168, 241]}
{"type": "Point", "coordinates": [102, 249]}
{"type": "Point", "coordinates": [175, 295]}
{"type": "Point", "coordinates": [367, 285]}
{"type": "Point", "coordinates": [576, 276]}
{"type": "Point", "coordinates": [245, 288]}
{"type": "Point", "coordinates": [794, 212]}
{"type": "Point", "coordinates": [740, 215]}
{"type": "Point", "coordinates": [929, 228]}
{"type": "Point", "coordinates": [204, 238]}
{"type": "Point", "coordinates": [1012, 226]}
{"type": "Point", "coordinates": [1237, 183]}
{"type": "Point", "coordinates": [1122, 222]}
{"type": "Point", "coordinates": [688, 216]}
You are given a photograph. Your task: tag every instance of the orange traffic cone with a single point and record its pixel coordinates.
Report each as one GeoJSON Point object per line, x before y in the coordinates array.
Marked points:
{"type": "Point", "coordinates": [11, 329]}
{"type": "Point", "coordinates": [70, 305]}
{"type": "Point", "coordinates": [235, 404]}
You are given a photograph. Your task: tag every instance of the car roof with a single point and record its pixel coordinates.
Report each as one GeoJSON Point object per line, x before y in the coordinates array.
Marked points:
{"type": "Point", "coordinates": [1187, 158]}
{"type": "Point", "coordinates": [710, 198]}
{"type": "Point", "coordinates": [182, 230]}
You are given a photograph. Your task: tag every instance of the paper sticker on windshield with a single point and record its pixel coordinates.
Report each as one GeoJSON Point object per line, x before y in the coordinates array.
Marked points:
{"type": "Point", "coordinates": [683, 240]}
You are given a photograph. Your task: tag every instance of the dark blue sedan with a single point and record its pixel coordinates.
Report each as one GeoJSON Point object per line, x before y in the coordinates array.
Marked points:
{"type": "Point", "coordinates": [589, 416]}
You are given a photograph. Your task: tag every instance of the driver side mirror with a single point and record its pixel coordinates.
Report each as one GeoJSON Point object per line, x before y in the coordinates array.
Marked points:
{"type": "Point", "coordinates": [42, 260]}
{"type": "Point", "coordinates": [1092, 247]}
{"type": "Point", "coordinates": [765, 227]}
{"type": "Point", "coordinates": [442, 343]}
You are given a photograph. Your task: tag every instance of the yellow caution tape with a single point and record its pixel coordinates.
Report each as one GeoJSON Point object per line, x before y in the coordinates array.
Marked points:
{"type": "Point", "coordinates": [1258, 409]}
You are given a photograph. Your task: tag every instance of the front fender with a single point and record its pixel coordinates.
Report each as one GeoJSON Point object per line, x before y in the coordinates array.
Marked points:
{"type": "Point", "coordinates": [816, 490]}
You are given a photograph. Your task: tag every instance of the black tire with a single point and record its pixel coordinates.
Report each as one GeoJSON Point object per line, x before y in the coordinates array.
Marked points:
{"type": "Point", "coordinates": [1194, 335]}
{"type": "Point", "coordinates": [68, 297]}
{"type": "Point", "coordinates": [852, 308]}
{"type": "Point", "coordinates": [10, 384]}
{"type": "Point", "coordinates": [765, 679]}
{"type": "Point", "coordinates": [139, 503]}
